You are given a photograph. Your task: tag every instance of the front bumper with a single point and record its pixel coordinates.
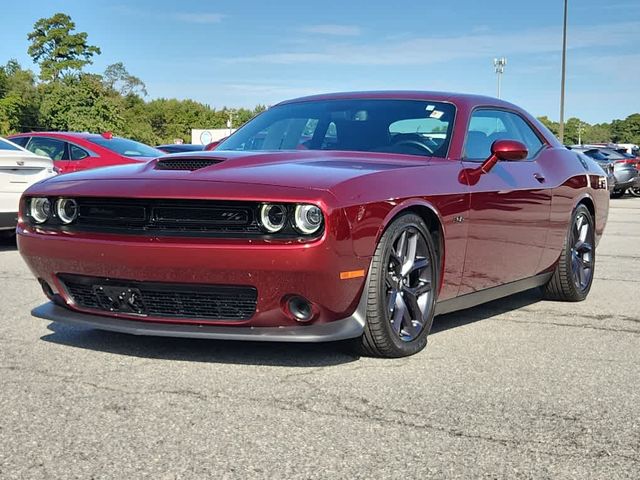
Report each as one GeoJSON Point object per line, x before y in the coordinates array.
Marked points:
{"type": "Point", "coordinates": [311, 270]}
{"type": "Point", "coordinates": [350, 327]}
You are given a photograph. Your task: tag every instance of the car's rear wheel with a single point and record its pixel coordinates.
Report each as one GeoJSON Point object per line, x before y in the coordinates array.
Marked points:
{"type": "Point", "coordinates": [573, 275]}
{"type": "Point", "coordinates": [402, 288]}
{"type": "Point", "coordinates": [635, 191]}
{"type": "Point", "coordinates": [617, 193]}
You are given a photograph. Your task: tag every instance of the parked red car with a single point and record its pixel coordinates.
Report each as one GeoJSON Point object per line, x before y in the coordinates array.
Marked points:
{"type": "Point", "coordinates": [71, 151]}
{"type": "Point", "coordinates": [213, 145]}
{"type": "Point", "coordinates": [402, 206]}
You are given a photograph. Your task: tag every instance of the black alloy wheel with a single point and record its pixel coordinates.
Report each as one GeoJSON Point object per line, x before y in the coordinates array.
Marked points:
{"type": "Point", "coordinates": [573, 276]}
{"type": "Point", "coordinates": [401, 291]}
{"type": "Point", "coordinates": [582, 251]}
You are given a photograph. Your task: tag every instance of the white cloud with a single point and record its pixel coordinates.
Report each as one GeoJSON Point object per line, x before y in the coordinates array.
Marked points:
{"type": "Point", "coordinates": [333, 29]}
{"type": "Point", "coordinates": [204, 18]}
{"type": "Point", "coordinates": [429, 50]}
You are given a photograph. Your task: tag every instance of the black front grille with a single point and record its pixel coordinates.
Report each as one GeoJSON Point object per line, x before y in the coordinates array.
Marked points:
{"type": "Point", "coordinates": [162, 300]}
{"type": "Point", "coordinates": [185, 163]}
{"type": "Point", "coordinates": [166, 217]}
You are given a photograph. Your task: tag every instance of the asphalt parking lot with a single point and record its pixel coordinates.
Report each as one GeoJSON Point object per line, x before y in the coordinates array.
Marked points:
{"type": "Point", "coordinates": [519, 388]}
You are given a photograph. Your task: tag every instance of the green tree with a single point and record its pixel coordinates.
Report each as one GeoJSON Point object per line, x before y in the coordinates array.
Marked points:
{"type": "Point", "coordinates": [554, 127]}
{"type": "Point", "coordinates": [573, 130]}
{"type": "Point", "coordinates": [627, 130]}
{"type": "Point", "coordinates": [598, 133]}
{"type": "Point", "coordinates": [117, 78]}
{"type": "Point", "coordinates": [19, 99]}
{"type": "Point", "coordinates": [80, 104]}
{"type": "Point", "coordinates": [56, 49]}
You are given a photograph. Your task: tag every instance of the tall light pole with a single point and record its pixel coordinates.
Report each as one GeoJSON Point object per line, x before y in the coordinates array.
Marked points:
{"type": "Point", "coordinates": [564, 73]}
{"type": "Point", "coordinates": [230, 121]}
{"type": "Point", "coordinates": [499, 64]}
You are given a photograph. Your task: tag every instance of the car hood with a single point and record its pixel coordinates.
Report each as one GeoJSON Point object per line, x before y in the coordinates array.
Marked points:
{"type": "Point", "coordinates": [300, 169]}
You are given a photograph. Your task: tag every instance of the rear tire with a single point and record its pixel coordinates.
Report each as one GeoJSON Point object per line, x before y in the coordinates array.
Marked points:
{"type": "Point", "coordinates": [401, 292]}
{"type": "Point", "coordinates": [573, 276]}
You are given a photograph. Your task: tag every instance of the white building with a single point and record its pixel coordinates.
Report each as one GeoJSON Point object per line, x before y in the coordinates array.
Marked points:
{"type": "Point", "coordinates": [206, 136]}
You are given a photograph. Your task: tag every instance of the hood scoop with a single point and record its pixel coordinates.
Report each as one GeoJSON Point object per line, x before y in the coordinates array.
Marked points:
{"type": "Point", "coordinates": [189, 164]}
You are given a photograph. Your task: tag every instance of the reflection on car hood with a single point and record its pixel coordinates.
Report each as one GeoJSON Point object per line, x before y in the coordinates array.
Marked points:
{"type": "Point", "coordinates": [307, 169]}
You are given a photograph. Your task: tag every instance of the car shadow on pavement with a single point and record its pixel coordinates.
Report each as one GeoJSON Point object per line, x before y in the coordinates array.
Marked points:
{"type": "Point", "coordinates": [199, 350]}
{"type": "Point", "coordinates": [486, 310]}
{"type": "Point", "coordinates": [257, 353]}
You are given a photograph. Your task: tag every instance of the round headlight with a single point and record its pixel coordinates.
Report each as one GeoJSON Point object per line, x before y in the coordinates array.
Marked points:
{"type": "Point", "coordinates": [273, 217]}
{"type": "Point", "coordinates": [67, 210]}
{"type": "Point", "coordinates": [308, 219]}
{"type": "Point", "coordinates": [40, 209]}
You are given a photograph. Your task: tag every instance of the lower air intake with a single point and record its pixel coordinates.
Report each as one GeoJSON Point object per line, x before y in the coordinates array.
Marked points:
{"type": "Point", "coordinates": [162, 300]}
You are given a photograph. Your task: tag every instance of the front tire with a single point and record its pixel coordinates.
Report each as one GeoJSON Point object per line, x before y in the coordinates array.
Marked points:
{"type": "Point", "coordinates": [401, 292]}
{"type": "Point", "coordinates": [573, 276]}
{"type": "Point", "coordinates": [635, 191]}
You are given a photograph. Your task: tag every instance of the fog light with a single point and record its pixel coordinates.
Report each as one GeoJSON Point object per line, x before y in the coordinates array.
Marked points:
{"type": "Point", "coordinates": [48, 291]}
{"type": "Point", "coordinates": [300, 308]}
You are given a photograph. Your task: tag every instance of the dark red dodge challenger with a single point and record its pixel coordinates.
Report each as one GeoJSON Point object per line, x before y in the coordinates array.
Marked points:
{"type": "Point", "coordinates": [345, 216]}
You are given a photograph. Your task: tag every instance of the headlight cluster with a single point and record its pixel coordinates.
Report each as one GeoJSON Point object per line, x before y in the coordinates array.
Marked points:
{"type": "Point", "coordinates": [305, 218]}
{"type": "Point", "coordinates": [41, 209]}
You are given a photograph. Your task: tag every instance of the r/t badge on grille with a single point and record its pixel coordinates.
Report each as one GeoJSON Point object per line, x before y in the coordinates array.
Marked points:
{"type": "Point", "coordinates": [120, 299]}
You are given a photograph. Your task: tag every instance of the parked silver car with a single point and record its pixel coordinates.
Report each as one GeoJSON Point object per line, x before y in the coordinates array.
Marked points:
{"type": "Point", "coordinates": [626, 174]}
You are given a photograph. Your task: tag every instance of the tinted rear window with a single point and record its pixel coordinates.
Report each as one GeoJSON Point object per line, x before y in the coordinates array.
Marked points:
{"type": "Point", "coordinates": [126, 147]}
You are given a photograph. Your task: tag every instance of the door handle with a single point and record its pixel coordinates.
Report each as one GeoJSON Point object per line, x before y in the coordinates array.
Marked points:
{"type": "Point", "coordinates": [539, 177]}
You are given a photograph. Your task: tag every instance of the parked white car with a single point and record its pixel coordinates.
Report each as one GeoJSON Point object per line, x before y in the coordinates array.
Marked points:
{"type": "Point", "coordinates": [19, 169]}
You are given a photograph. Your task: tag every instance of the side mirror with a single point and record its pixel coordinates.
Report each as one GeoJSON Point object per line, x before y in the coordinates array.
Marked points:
{"type": "Point", "coordinates": [505, 150]}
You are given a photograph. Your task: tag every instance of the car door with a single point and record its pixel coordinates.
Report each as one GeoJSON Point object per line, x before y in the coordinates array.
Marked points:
{"type": "Point", "coordinates": [53, 148]}
{"type": "Point", "coordinates": [79, 158]}
{"type": "Point", "coordinates": [510, 205]}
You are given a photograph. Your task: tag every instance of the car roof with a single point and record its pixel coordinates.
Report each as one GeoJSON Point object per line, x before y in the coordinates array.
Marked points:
{"type": "Point", "coordinates": [82, 135]}
{"type": "Point", "coordinates": [456, 98]}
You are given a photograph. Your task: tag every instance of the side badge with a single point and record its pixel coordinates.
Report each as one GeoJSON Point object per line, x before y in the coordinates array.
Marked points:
{"type": "Point", "coordinates": [458, 219]}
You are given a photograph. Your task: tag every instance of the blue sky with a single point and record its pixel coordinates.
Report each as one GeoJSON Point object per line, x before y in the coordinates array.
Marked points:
{"type": "Point", "coordinates": [240, 53]}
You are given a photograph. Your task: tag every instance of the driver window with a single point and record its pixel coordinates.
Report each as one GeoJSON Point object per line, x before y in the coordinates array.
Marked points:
{"type": "Point", "coordinates": [488, 126]}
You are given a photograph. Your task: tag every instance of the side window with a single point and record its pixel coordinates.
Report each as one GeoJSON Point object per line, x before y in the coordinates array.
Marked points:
{"type": "Point", "coordinates": [22, 141]}
{"type": "Point", "coordinates": [487, 126]}
{"type": "Point", "coordinates": [330, 139]}
{"type": "Point", "coordinates": [48, 147]}
{"type": "Point", "coordinates": [77, 153]}
{"type": "Point", "coordinates": [527, 135]}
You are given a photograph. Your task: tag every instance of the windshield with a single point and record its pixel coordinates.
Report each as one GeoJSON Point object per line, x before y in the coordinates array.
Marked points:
{"type": "Point", "coordinates": [408, 127]}
{"type": "Point", "coordinates": [126, 147]}
{"type": "Point", "coordinates": [612, 154]}
{"type": "Point", "coordinates": [596, 155]}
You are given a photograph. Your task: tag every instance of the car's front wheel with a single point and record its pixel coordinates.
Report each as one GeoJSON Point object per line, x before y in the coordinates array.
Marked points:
{"type": "Point", "coordinates": [401, 292]}
{"type": "Point", "coordinates": [635, 191]}
{"type": "Point", "coordinates": [573, 275]}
